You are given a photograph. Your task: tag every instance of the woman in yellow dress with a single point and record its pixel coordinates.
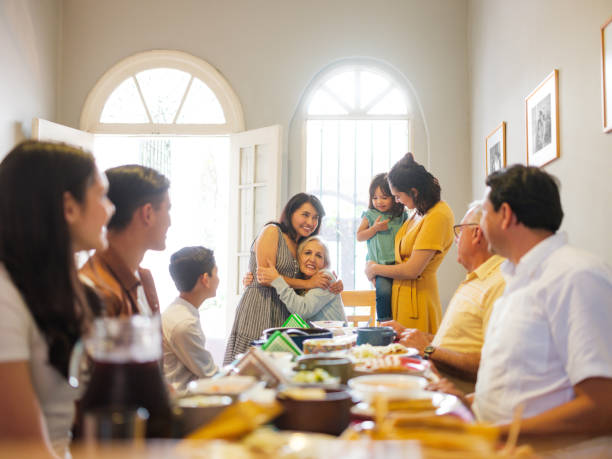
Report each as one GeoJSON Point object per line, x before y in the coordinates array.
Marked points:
{"type": "Point", "coordinates": [420, 246]}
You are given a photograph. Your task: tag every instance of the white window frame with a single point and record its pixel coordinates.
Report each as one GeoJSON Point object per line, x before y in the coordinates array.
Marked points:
{"type": "Point", "coordinates": [413, 103]}
{"type": "Point", "coordinates": [113, 77]}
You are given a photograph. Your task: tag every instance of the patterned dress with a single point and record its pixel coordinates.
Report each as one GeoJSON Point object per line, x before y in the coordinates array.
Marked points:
{"type": "Point", "coordinates": [260, 307]}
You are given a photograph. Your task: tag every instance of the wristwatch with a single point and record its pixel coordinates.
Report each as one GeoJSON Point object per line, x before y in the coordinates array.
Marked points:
{"type": "Point", "coordinates": [428, 351]}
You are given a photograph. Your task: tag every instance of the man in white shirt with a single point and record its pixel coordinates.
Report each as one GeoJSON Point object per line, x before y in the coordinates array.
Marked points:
{"type": "Point", "coordinates": [185, 356]}
{"type": "Point", "coordinates": [548, 345]}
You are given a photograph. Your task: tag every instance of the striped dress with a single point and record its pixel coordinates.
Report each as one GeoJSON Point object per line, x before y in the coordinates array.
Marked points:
{"type": "Point", "coordinates": [260, 307]}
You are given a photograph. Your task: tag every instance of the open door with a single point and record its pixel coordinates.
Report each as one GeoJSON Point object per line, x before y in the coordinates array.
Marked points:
{"type": "Point", "coordinates": [48, 131]}
{"type": "Point", "coordinates": [254, 198]}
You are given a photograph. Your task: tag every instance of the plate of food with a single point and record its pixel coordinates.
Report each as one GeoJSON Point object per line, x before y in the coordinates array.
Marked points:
{"type": "Point", "coordinates": [393, 387]}
{"type": "Point", "coordinates": [392, 364]}
{"type": "Point", "coordinates": [367, 351]}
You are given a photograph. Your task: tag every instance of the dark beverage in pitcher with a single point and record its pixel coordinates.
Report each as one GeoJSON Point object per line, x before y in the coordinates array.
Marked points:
{"type": "Point", "coordinates": [131, 385]}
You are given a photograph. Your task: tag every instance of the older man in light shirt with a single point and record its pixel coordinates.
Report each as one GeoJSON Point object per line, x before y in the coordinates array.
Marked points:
{"type": "Point", "coordinates": [548, 347]}
{"type": "Point", "coordinates": [185, 356]}
{"type": "Point", "coordinates": [455, 348]}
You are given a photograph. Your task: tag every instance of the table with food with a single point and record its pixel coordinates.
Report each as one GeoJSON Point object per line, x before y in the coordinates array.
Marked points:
{"type": "Point", "coordinates": [301, 392]}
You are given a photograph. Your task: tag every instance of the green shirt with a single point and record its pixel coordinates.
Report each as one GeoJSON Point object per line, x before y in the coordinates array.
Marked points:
{"type": "Point", "coordinates": [381, 246]}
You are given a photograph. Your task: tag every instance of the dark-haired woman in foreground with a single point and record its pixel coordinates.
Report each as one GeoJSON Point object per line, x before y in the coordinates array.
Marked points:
{"type": "Point", "coordinates": [52, 204]}
{"type": "Point", "coordinates": [420, 246]}
{"type": "Point", "coordinates": [260, 307]}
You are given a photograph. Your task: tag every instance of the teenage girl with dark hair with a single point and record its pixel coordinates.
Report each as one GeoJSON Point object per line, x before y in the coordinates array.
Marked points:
{"type": "Point", "coordinates": [260, 307]}
{"type": "Point", "coordinates": [52, 204]}
{"type": "Point", "coordinates": [420, 246]}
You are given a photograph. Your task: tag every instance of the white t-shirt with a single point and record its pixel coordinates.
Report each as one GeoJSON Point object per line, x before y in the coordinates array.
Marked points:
{"type": "Point", "coordinates": [184, 345]}
{"type": "Point", "coordinates": [21, 340]}
{"type": "Point", "coordinates": [550, 330]}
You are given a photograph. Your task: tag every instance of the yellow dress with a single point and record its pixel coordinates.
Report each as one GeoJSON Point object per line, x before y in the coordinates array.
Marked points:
{"type": "Point", "coordinates": [415, 303]}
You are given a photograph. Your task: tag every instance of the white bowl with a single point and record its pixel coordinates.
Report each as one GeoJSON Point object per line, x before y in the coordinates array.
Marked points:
{"type": "Point", "coordinates": [391, 386]}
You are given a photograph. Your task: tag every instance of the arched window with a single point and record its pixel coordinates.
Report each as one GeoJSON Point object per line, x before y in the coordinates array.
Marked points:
{"type": "Point", "coordinates": [358, 123]}
{"type": "Point", "coordinates": [162, 92]}
{"type": "Point", "coordinates": [173, 112]}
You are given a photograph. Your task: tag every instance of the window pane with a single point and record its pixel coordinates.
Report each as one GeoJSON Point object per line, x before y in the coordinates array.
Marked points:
{"type": "Point", "coordinates": [262, 165]}
{"type": "Point", "coordinates": [163, 90]}
{"type": "Point", "coordinates": [201, 106]}
{"type": "Point", "coordinates": [371, 86]}
{"type": "Point", "coordinates": [313, 153]}
{"type": "Point", "coordinates": [342, 158]}
{"type": "Point", "coordinates": [246, 218]}
{"type": "Point", "coordinates": [262, 207]}
{"type": "Point", "coordinates": [393, 103]}
{"type": "Point", "coordinates": [343, 87]}
{"type": "Point", "coordinates": [124, 105]}
{"type": "Point", "coordinates": [247, 157]}
{"type": "Point", "coordinates": [323, 104]}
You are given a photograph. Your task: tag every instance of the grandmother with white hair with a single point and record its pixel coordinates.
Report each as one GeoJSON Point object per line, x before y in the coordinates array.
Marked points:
{"type": "Point", "coordinates": [316, 304]}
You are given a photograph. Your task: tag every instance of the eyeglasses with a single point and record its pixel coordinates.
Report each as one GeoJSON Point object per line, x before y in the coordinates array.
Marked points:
{"type": "Point", "coordinates": [458, 228]}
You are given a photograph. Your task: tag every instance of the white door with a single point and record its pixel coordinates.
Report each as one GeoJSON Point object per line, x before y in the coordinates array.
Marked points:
{"type": "Point", "coordinates": [254, 197]}
{"type": "Point", "coordinates": [48, 131]}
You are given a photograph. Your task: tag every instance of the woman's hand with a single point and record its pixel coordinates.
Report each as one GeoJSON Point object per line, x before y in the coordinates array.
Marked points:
{"type": "Point", "coordinates": [265, 276]}
{"type": "Point", "coordinates": [370, 270]}
{"type": "Point", "coordinates": [247, 279]}
{"type": "Point", "coordinates": [319, 280]}
{"type": "Point", "coordinates": [336, 287]}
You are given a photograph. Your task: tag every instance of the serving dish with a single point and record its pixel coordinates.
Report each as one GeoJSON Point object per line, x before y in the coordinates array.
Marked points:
{"type": "Point", "coordinates": [231, 386]}
{"type": "Point", "coordinates": [298, 335]}
{"type": "Point", "coordinates": [394, 387]}
{"type": "Point", "coordinates": [330, 415]}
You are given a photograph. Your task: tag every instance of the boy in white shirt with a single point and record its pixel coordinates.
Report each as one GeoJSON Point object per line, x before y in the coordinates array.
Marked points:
{"type": "Point", "coordinates": [194, 272]}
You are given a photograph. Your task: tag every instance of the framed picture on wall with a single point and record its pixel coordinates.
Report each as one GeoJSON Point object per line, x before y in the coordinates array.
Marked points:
{"type": "Point", "coordinates": [606, 74]}
{"type": "Point", "coordinates": [495, 149]}
{"type": "Point", "coordinates": [542, 121]}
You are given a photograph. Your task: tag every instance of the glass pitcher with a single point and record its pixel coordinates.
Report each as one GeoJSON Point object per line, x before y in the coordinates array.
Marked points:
{"type": "Point", "coordinates": [126, 373]}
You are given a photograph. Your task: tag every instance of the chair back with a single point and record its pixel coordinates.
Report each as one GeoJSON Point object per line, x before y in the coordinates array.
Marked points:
{"type": "Point", "coordinates": [360, 299]}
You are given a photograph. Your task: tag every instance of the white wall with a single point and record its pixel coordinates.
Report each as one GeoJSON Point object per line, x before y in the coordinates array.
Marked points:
{"type": "Point", "coordinates": [270, 50]}
{"type": "Point", "coordinates": [513, 46]}
{"type": "Point", "coordinates": [29, 32]}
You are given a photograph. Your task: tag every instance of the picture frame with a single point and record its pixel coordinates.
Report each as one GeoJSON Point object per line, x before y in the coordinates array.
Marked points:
{"type": "Point", "coordinates": [495, 149]}
{"type": "Point", "coordinates": [606, 75]}
{"type": "Point", "coordinates": [542, 121]}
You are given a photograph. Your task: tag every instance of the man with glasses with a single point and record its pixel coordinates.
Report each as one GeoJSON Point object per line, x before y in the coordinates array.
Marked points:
{"type": "Point", "coordinates": [548, 348]}
{"type": "Point", "coordinates": [455, 348]}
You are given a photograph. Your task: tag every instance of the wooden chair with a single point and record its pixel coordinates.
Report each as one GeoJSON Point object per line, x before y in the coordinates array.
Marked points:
{"type": "Point", "coordinates": [360, 299]}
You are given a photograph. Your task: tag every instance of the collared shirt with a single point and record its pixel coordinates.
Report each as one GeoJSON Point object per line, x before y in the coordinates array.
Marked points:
{"type": "Point", "coordinates": [118, 286]}
{"type": "Point", "coordinates": [184, 352]}
{"type": "Point", "coordinates": [549, 331]}
{"type": "Point", "coordinates": [464, 324]}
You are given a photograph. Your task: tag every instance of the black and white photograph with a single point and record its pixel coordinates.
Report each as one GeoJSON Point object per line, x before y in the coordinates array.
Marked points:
{"type": "Point", "coordinates": [542, 121]}
{"type": "Point", "coordinates": [495, 149]}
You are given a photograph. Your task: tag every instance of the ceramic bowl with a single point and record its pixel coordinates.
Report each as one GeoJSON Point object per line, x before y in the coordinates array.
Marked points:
{"type": "Point", "coordinates": [339, 367]}
{"type": "Point", "coordinates": [195, 411]}
{"type": "Point", "coordinates": [330, 416]}
{"type": "Point", "coordinates": [299, 335]}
